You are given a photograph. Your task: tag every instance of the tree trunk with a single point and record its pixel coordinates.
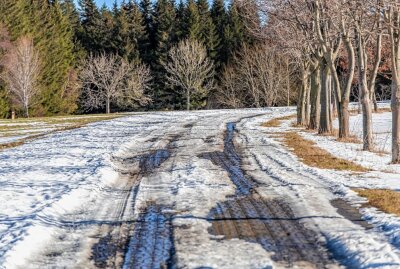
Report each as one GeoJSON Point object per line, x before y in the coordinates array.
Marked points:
{"type": "Point", "coordinates": [376, 108]}
{"type": "Point", "coordinates": [325, 124]}
{"type": "Point", "coordinates": [315, 97]}
{"type": "Point", "coordinates": [395, 121]}
{"type": "Point", "coordinates": [343, 117]}
{"type": "Point", "coordinates": [365, 95]}
{"type": "Point", "coordinates": [26, 108]}
{"type": "Point", "coordinates": [302, 105]}
{"type": "Point", "coordinates": [308, 103]}
{"type": "Point", "coordinates": [288, 82]}
{"type": "Point", "coordinates": [108, 106]}
{"type": "Point", "coordinates": [394, 35]}
{"type": "Point", "coordinates": [187, 100]}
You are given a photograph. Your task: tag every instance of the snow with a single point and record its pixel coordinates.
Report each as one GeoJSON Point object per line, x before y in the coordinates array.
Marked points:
{"type": "Point", "coordinates": [16, 130]}
{"type": "Point", "coordinates": [384, 175]}
{"type": "Point", "coordinates": [60, 192]}
{"type": "Point", "coordinates": [309, 192]}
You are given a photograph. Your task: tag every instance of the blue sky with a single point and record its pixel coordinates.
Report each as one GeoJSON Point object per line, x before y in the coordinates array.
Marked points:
{"type": "Point", "coordinates": [109, 3]}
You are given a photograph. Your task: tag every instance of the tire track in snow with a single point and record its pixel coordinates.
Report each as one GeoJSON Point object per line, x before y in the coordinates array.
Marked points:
{"type": "Point", "coordinates": [268, 222]}
{"type": "Point", "coordinates": [124, 245]}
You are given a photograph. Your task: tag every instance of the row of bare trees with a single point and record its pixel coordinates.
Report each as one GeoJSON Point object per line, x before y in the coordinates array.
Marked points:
{"type": "Point", "coordinates": [106, 79]}
{"type": "Point", "coordinates": [257, 77]}
{"type": "Point", "coordinates": [337, 45]}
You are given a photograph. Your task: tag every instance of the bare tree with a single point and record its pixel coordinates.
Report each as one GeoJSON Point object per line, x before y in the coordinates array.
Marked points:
{"type": "Point", "coordinates": [367, 18]}
{"type": "Point", "coordinates": [108, 79]}
{"type": "Point", "coordinates": [230, 93]}
{"type": "Point", "coordinates": [256, 77]}
{"type": "Point", "coordinates": [189, 67]}
{"type": "Point", "coordinates": [392, 19]}
{"type": "Point", "coordinates": [21, 72]}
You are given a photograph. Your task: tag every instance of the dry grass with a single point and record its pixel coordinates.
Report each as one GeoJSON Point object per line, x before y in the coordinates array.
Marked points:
{"type": "Point", "coordinates": [384, 110]}
{"type": "Point", "coordinates": [277, 121]}
{"type": "Point", "coordinates": [314, 156]}
{"type": "Point", "coordinates": [353, 139]}
{"type": "Point", "coordinates": [387, 201]}
{"type": "Point", "coordinates": [71, 122]}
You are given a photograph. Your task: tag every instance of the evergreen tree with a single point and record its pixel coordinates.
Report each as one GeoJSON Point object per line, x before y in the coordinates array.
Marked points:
{"type": "Point", "coordinates": [91, 21]}
{"type": "Point", "coordinates": [180, 22]}
{"type": "Point", "coordinates": [220, 20]}
{"type": "Point", "coordinates": [192, 25]}
{"type": "Point", "coordinates": [105, 30]}
{"type": "Point", "coordinates": [147, 44]}
{"type": "Point", "coordinates": [129, 31]}
{"type": "Point", "coordinates": [208, 31]}
{"type": "Point", "coordinates": [234, 32]}
{"type": "Point", "coordinates": [163, 23]}
{"type": "Point", "coordinates": [53, 35]}
{"type": "Point", "coordinates": [137, 34]}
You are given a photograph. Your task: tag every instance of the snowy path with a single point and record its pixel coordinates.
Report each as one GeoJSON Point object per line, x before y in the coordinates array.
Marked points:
{"type": "Point", "coordinates": [176, 190]}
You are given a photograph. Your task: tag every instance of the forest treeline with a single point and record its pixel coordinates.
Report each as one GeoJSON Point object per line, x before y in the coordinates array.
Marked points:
{"type": "Point", "coordinates": [60, 36]}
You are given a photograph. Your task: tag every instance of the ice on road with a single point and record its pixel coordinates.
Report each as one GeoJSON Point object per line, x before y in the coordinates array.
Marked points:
{"type": "Point", "coordinates": [209, 189]}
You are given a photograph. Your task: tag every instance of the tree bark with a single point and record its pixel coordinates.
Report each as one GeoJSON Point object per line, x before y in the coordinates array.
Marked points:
{"type": "Point", "coordinates": [325, 124]}
{"type": "Point", "coordinates": [393, 18]}
{"type": "Point", "coordinates": [302, 105]}
{"type": "Point", "coordinates": [365, 94]}
{"type": "Point", "coordinates": [108, 105]}
{"type": "Point", "coordinates": [395, 104]}
{"type": "Point", "coordinates": [188, 100]}
{"type": "Point", "coordinates": [315, 99]}
{"type": "Point", "coordinates": [26, 111]}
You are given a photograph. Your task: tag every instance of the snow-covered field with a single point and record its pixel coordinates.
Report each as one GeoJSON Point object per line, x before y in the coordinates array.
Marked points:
{"type": "Point", "coordinates": [146, 179]}
{"type": "Point", "coordinates": [16, 130]}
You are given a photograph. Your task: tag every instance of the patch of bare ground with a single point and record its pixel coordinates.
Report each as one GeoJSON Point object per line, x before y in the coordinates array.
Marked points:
{"type": "Point", "coordinates": [276, 122]}
{"type": "Point", "coordinates": [313, 156]}
{"type": "Point", "coordinates": [387, 201]}
{"type": "Point", "coordinates": [352, 139]}
{"type": "Point", "coordinates": [384, 110]}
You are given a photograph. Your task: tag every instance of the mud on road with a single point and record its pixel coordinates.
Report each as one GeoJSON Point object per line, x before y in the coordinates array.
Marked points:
{"type": "Point", "coordinates": [148, 242]}
{"type": "Point", "coordinates": [268, 222]}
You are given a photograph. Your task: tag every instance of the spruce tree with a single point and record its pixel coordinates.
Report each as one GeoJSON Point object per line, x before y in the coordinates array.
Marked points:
{"type": "Point", "coordinates": [147, 44]}
{"type": "Point", "coordinates": [91, 21]}
{"type": "Point", "coordinates": [220, 20]}
{"type": "Point", "coordinates": [52, 34]}
{"type": "Point", "coordinates": [129, 31]}
{"type": "Point", "coordinates": [105, 30]}
{"type": "Point", "coordinates": [180, 22]}
{"type": "Point", "coordinates": [234, 32]}
{"type": "Point", "coordinates": [193, 22]}
{"type": "Point", "coordinates": [208, 31]}
{"type": "Point", "coordinates": [163, 23]}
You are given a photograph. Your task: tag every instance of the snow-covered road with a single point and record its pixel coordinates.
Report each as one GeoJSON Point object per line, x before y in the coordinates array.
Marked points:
{"type": "Point", "coordinates": [177, 190]}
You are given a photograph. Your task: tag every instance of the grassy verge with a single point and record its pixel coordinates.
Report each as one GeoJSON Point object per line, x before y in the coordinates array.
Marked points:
{"type": "Point", "coordinates": [313, 156]}
{"type": "Point", "coordinates": [387, 201]}
{"type": "Point", "coordinates": [54, 124]}
{"type": "Point", "coordinates": [276, 122]}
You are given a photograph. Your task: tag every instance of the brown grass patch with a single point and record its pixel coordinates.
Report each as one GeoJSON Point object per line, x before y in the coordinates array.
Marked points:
{"type": "Point", "coordinates": [353, 139]}
{"type": "Point", "coordinates": [387, 201]}
{"type": "Point", "coordinates": [77, 123]}
{"type": "Point", "coordinates": [314, 156]}
{"type": "Point", "coordinates": [277, 121]}
{"type": "Point", "coordinates": [384, 110]}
